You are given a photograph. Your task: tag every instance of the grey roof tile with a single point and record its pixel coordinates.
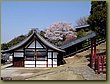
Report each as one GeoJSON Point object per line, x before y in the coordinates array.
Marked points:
{"type": "Point", "coordinates": [28, 38]}
{"type": "Point", "coordinates": [91, 35]}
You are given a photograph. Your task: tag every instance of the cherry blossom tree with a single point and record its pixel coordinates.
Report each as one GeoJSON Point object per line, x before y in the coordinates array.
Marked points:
{"type": "Point", "coordinates": [58, 32]}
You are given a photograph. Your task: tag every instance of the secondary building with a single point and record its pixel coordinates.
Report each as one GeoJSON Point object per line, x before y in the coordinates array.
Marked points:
{"type": "Point", "coordinates": [35, 51]}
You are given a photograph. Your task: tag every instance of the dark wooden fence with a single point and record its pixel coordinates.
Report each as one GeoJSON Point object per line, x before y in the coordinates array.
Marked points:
{"type": "Point", "coordinates": [100, 65]}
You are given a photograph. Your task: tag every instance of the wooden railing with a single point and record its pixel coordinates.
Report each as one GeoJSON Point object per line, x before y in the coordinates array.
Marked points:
{"type": "Point", "coordinates": [100, 63]}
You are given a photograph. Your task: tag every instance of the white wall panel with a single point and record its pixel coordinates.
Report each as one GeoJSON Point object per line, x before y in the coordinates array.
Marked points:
{"type": "Point", "coordinates": [41, 62]}
{"type": "Point", "coordinates": [29, 65]}
{"type": "Point", "coordinates": [29, 62]}
{"type": "Point", "coordinates": [38, 45]}
{"type": "Point", "coordinates": [54, 61]}
{"type": "Point", "coordinates": [18, 54]}
{"type": "Point", "coordinates": [54, 65]}
{"type": "Point", "coordinates": [55, 54]}
{"type": "Point", "coordinates": [49, 61]}
{"type": "Point", "coordinates": [41, 65]}
{"type": "Point", "coordinates": [49, 65]}
{"type": "Point", "coordinates": [32, 45]}
{"type": "Point", "coordinates": [49, 54]}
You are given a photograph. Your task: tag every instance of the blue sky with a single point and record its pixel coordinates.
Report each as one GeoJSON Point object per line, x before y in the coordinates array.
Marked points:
{"type": "Point", "coordinates": [19, 17]}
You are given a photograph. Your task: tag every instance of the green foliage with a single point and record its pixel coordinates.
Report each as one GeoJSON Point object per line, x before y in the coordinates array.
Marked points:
{"type": "Point", "coordinates": [80, 33]}
{"type": "Point", "coordinates": [17, 40]}
{"type": "Point", "coordinates": [13, 42]}
{"type": "Point", "coordinates": [85, 43]}
{"type": "Point", "coordinates": [98, 17]}
{"type": "Point", "coordinates": [42, 33]}
{"type": "Point", "coordinates": [4, 46]}
{"type": "Point", "coordinates": [30, 32]}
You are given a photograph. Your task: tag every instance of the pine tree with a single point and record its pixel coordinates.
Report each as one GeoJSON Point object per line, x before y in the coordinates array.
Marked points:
{"type": "Point", "coordinates": [98, 17]}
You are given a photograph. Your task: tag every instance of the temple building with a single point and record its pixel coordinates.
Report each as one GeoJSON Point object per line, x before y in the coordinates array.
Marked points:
{"type": "Point", "coordinates": [35, 51]}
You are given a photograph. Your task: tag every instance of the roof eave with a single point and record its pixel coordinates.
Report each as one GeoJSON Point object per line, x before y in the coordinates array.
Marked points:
{"type": "Point", "coordinates": [71, 43]}
{"type": "Point", "coordinates": [17, 45]}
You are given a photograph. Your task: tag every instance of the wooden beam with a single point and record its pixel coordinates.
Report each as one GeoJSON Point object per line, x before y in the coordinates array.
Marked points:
{"type": "Point", "coordinates": [91, 57]}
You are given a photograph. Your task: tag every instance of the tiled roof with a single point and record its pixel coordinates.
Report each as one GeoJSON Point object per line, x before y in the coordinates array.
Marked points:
{"type": "Point", "coordinates": [84, 26]}
{"type": "Point", "coordinates": [45, 42]}
{"type": "Point", "coordinates": [91, 35]}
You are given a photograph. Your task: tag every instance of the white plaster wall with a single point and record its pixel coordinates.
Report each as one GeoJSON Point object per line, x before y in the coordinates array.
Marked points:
{"type": "Point", "coordinates": [54, 65]}
{"type": "Point", "coordinates": [32, 45]}
{"type": "Point", "coordinates": [54, 61]}
{"type": "Point", "coordinates": [49, 54]}
{"type": "Point", "coordinates": [49, 61]}
{"type": "Point", "coordinates": [41, 65]}
{"type": "Point", "coordinates": [38, 45]}
{"type": "Point", "coordinates": [49, 65]}
{"type": "Point", "coordinates": [18, 54]}
{"type": "Point", "coordinates": [29, 65]}
{"type": "Point", "coordinates": [29, 62]}
{"type": "Point", "coordinates": [41, 62]}
{"type": "Point", "coordinates": [55, 54]}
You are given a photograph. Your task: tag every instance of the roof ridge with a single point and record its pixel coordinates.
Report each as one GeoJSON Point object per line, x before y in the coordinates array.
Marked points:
{"type": "Point", "coordinates": [45, 42]}
{"type": "Point", "coordinates": [81, 38]}
{"type": "Point", "coordinates": [52, 45]}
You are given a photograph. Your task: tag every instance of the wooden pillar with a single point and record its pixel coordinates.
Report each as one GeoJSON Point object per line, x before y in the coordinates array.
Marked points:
{"type": "Point", "coordinates": [102, 63]}
{"type": "Point", "coordinates": [52, 59]}
{"type": "Point", "coordinates": [47, 57]}
{"type": "Point", "coordinates": [93, 53]}
{"type": "Point", "coordinates": [13, 58]}
{"type": "Point", "coordinates": [94, 48]}
{"type": "Point", "coordinates": [91, 57]}
{"type": "Point", "coordinates": [24, 56]}
{"type": "Point", "coordinates": [36, 54]}
{"type": "Point", "coordinates": [94, 58]}
{"type": "Point", "coordinates": [98, 64]}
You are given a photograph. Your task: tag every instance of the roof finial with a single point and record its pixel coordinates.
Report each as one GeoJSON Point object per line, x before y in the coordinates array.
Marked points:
{"type": "Point", "coordinates": [35, 30]}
